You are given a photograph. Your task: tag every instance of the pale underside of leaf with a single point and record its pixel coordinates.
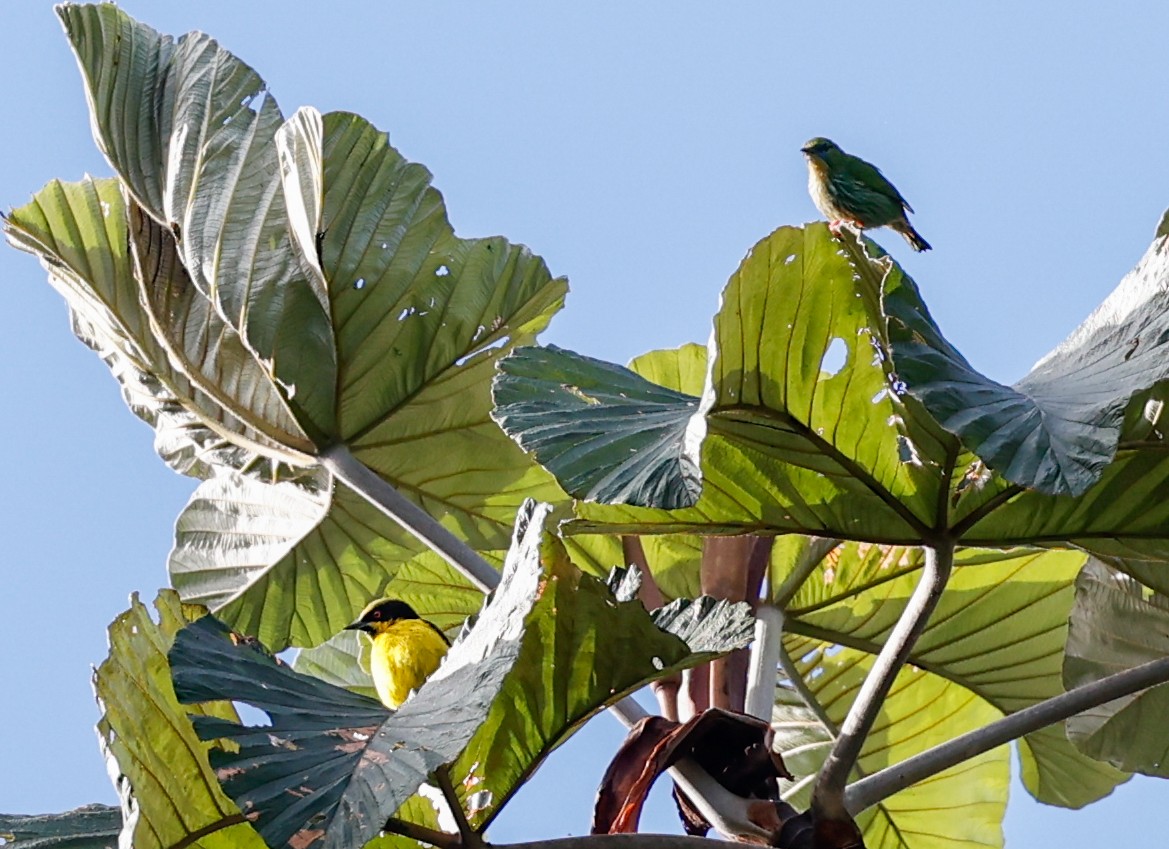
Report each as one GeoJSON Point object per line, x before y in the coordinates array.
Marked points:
{"type": "Point", "coordinates": [190, 130]}
{"type": "Point", "coordinates": [79, 232]}
{"type": "Point", "coordinates": [1058, 428]}
{"type": "Point", "coordinates": [1115, 625]}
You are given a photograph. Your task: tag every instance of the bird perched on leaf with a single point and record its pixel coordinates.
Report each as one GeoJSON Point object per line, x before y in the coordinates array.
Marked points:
{"type": "Point", "coordinates": [406, 648]}
{"type": "Point", "coordinates": [845, 188]}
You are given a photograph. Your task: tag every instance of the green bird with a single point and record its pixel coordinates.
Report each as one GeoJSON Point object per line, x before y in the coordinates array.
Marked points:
{"type": "Point", "coordinates": [845, 188]}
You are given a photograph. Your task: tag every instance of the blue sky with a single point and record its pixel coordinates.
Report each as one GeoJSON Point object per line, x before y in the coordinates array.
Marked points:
{"type": "Point", "coordinates": [641, 148]}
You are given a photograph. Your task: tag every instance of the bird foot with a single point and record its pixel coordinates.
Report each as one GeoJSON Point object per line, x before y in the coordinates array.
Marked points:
{"type": "Point", "coordinates": [834, 227]}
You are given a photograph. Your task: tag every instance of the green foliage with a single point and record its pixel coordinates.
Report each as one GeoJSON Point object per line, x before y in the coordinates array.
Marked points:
{"type": "Point", "coordinates": [550, 648]}
{"type": "Point", "coordinates": [971, 798]}
{"type": "Point", "coordinates": [160, 766]}
{"type": "Point", "coordinates": [796, 442]}
{"type": "Point", "coordinates": [265, 290]}
{"type": "Point", "coordinates": [290, 286]}
{"type": "Point", "coordinates": [1058, 428]}
{"type": "Point", "coordinates": [608, 434]}
{"type": "Point", "coordinates": [1117, 624]}
{"type": "Point", "coordinates": [87, 827]}
{"type": "Point", "coordinates": [998, 633]}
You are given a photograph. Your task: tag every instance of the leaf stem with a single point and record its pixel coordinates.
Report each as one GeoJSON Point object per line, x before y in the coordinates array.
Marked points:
{"type": "Point", "coordinates": [764, 661]}
{"type": "Point", "coordinates": [619, 841]}
{"type": "Point", "coordinates": [880, 785]}
{"type": "Point", "coordinates": [805, 692]}
{"type": "Point", "coordinates": [828, 795]}
{"type": "Point", "coordinates": [470, 839]}
{"type": "Point", "coordinates": [440, 839]}
{"type": "Point", "coordinates": [732, 569]}
{"type": "Point", "coordinates": [339, 460]}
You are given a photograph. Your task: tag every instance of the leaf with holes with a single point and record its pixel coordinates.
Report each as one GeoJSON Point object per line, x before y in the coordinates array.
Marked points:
{"type": "Point", "coordinates": [807, 427]}
{"type": "Point", "coordinates": [1058, 428]}
{"type": "Point", "coordinates": [492, 711]}
{"type": "Point", "coordinates": [303, 279]}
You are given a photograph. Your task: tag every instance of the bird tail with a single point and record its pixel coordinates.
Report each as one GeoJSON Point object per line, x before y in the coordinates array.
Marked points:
{"type": "Point", "coordinates": [912, 236]}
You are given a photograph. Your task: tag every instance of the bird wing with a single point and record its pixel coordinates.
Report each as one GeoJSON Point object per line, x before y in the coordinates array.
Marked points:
{"type": "Point", "coordinates": [869, 177]}
{"type": "Point", "coordinates": [438, 631]}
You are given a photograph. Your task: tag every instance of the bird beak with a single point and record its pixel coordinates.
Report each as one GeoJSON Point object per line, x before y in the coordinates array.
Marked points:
{"type": "Point", "coordinates": [356, 626]}
{"type": "Point", "coordinates": [807, 151]}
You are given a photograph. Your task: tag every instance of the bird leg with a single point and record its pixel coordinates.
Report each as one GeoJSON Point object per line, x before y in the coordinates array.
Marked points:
{"type": "Point", "coordinates": [834, 227]}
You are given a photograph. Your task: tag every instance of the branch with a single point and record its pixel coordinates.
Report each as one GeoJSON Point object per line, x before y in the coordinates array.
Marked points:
{"type": "Point", "coordinates": [710, 797]}
{"type": "Point", "coordinates": [470, 839]}
{"type": "Point", "coordinates": [880, 785]}
{"type": "Point", "coordinates": [764, 662]}
{"type": "Point", "coordinates": [805, 692]}
{"type": "Point", "coordinates": [620, 841]}
{"type": "Point", "coordinates": [726, 812]}
{"type": "Point", "coordinates": [421, 833]}
{"type": "Point", "coordinates": [357, 476]}
{"type": "Point", "coordinates": [828, 795]}
{"type": "Point", "coordinates": [732, 569]}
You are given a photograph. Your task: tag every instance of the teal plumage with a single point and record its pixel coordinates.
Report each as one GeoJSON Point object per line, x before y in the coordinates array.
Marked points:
{"type": "Point", "coordinates": [846, 189]}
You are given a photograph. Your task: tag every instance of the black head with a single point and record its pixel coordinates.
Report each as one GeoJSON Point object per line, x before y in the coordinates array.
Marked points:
{"type": "Point", "coordinates": [381, 613]}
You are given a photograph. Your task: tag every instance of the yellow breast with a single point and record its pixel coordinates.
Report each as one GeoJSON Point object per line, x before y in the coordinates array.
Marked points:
{"type": "Point", "coordinates": [404, 655]}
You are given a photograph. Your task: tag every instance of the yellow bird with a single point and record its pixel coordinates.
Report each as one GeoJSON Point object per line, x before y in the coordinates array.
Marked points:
{"type": "Point", "coordinates": [406, 648]}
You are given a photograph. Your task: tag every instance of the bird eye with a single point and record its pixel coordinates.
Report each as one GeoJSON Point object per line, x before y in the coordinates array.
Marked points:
{"type": "Point", "coordinates": [375, 614]}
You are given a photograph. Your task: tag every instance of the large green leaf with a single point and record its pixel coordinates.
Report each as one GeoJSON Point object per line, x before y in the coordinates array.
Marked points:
{"type": "Point", "coordinates": [814, 424]}
{"type": "Point", "coordinates": [169, 794]}
{"type": "Point", "coordinates": [1116, 624]}
{"type": "Point", "coordinates": [591, 651]}
{"type": "Point", "coordinates": [79, 233]}
{"type": "Point", "coordinates": [607, 434]}
{"type": "Point", "coordinates": [87, 827]}
{"type": "Point", "coordinates": [502, 705]}
{"type": "Point", "coordinates": [199, 341]}
{"type": "Point", "coordinates": [290, 563]}
{"type": "Point", "coordinates": [1124, 514]}
{"type": "Point", "coordinates": [1057, 429]}
{"type": "Point", "coordinates": [299, 286]}
{"type": "Point", "coordinates": [190, 130]}
{"type": "Point", "coordinates": [960, 807]}
{"type": "Point", "coordinates": [998, 632]}
{"type": "Point", "coordinates": [415, 307]}
{"type": "Point", "coordinates": [808, 428]}
{"type": "Point", "coordinates": [305, 776]}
